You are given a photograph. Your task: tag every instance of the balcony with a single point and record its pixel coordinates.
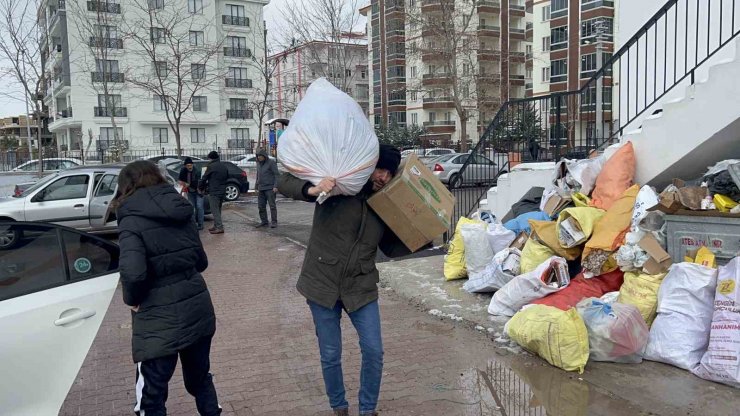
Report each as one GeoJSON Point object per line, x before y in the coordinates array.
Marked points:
{"type": "Point", "coordinates": [489, 30]}
{"type": "Point", "coordinates": [431, 6]}
{"type": "Point", "coordinates": [396, 6]}
{"type": "Point", "coordinates": [517, 56]}
{"type": "Point", "coordinates": [439, 123]}
{"type": "Point", "coordinates": [518, 9]}
{"type": "Point", "coordinates": [516, 79]}
{"type": "Point", "coordinates": [111, 112]}
{"type": "Point", "coordinates": [517, 33]}
{"type": "Point", "coordinates": [66, 113]}
{"type": "Point", "coordinates": [238, 83]}
{"type": "Point", "coordinates": [108, 43]}
{"type": "Point", "coordinates": [103, 7]}
{"type": "Point", "coordinates": [487, 6]}
{"type": "Point", "coordinates": [488, 55]}
{"type": "Point", "coordinates": [235, 20]}
{"type": "Point", "coordinates": [239, 114]}
{"type": "Point", "coordinates": [436, 79]}
{"type": "Point", "coordinates": [431, 103]}
{"type": "Point", "coordinates": [107, 76]}
{"type": "Point", "coordinates": [238, 52]}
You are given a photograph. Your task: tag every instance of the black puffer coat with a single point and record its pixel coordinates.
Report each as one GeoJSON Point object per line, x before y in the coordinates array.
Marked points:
{"type": "Point", "coordinates": [161, 261]}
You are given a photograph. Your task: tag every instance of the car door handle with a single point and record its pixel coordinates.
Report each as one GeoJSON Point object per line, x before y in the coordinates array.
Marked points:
{"type": "Point", "coordinates": [80, 206]}
{"type": "Point", "coordinates": [77, 316]}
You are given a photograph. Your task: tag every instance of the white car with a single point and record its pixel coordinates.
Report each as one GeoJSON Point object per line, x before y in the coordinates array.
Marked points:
{"type": "Point", "coordinates": [55, 289]}
{"type": "Point", "coordinates": [50, 164]}
{"type": "Point", "coordinates": [427, 153]}
{"type": "Point", "coordinates": [248, 161]}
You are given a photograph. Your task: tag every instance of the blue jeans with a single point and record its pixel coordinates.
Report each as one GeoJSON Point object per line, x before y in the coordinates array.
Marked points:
{"type": "Point", "coordinates": [198, 211]}
{"type": "Point", "coordinates": [366, 321]}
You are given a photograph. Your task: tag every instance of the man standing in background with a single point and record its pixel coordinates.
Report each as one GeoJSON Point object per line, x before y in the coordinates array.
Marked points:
{"type": "Point", "coordinates": [214, 183]}
{"type": "Point", "coordinates": [189, 179]}
{"type": "Point", "coordinates": [267, 176]}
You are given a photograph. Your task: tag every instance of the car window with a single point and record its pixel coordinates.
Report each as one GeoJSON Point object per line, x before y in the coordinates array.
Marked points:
{"type": "Point", "coordinates": [30, 166]}
{"type": "Point", "coordinates": [480, 160]}
{"type": "Point", "coordinates": [107, 185]}
{"type": "Point", "coordinates": [68, 164]}
{"type": "Point", "coordinates": [36, 257]}
{"type": "Point", "coordinates": [43, 181]}
{"type": "Point", "coordinates": [51, 165]}
{"type": "Point", "coordinates": [69, 187]}
{"type": "Point", "coordinates": [460, 159]}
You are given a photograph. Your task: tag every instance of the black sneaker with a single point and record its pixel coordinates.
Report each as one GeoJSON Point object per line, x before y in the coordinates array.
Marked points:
{"type": "Point", "coordinates": [264, 224]}
{"type": "Point", "coordinates": [273, 225]}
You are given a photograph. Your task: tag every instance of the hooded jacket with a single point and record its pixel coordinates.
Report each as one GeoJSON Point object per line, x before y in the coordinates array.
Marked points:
{"type": "Point", "coordinates": [161, 260]}
{"type": "Point", "coordinates": [267, 172]}
{"type": "Point", "coordinates": [214, 180]}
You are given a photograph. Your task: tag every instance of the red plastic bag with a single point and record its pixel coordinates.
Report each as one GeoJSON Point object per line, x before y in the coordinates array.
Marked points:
{"type": "Point", "coordinates": [581, 288]}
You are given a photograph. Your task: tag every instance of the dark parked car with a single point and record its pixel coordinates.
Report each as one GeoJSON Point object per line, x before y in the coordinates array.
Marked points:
{"type": "Point", "coordinates": [236, 185]}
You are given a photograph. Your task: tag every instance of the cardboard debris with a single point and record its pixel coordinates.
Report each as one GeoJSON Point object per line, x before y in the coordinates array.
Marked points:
{"type": "Point", "coordinates": [660, 260]}
{"type": "Point", "coordinates": [415, 204]}
{"type": "Point", "coordinates": [519, 241]}
{"type": "Point", "coordinates": [570, 232]}
{"type": "Point", "coordinates": [557, 203]}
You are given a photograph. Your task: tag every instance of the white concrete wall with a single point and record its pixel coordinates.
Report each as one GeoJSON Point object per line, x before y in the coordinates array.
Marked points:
{"type": "Point", "coordinates": [513, 185]}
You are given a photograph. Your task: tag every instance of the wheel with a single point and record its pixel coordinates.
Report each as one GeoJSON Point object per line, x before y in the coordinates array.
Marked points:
{"type": "Point", "coordinates": [9, 237]}
{"type": "Point", "coordinates": [455, 181]}
{"type": "Point", "coordinates": [232, 192]}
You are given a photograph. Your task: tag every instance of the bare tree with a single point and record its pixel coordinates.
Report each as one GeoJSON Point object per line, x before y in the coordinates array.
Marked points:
{"type": "Point", "coordinates": [21, 59]}
{"type": "Point", "coordinates": [106, 72]}
{"type": "Point", "coordinates": [463, 62]}
{"type": "Point", "coordinates": [170, 66]}
{"type": "Point", "coordinates": [262, 101]}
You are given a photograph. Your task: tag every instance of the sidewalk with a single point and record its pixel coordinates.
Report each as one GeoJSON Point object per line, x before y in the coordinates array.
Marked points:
{"type": "Point", "coordinates": [655, 387]}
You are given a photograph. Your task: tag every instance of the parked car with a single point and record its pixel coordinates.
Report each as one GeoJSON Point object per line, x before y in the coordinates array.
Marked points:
{"type": "Point", "coordinates": [50, 164]}
{"type": "Point", "coordinates": [157, 158]}
{"type": "Point", "coordinates": [248, 161]}
{"type": "Point", "coordinates": [427, 153]}
{"type": "Point", "coordinates": [236, 185]}
{"type": "Point", "coordinates": [447, 168]}
{"type": "Point", "coordinates": [55, 288]}
{"type": "Point", "coordinates": [78, 198]}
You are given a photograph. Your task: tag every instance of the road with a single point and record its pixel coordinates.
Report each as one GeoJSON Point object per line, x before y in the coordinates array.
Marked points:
{"type": "Point", "coordinates": [265, 359]}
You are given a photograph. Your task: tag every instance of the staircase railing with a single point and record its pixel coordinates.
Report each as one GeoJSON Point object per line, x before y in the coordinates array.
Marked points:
{"type": "Point", "coordinates": [615, 90]}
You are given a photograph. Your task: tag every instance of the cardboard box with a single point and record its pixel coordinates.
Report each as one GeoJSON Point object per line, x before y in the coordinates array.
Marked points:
{"type": "Point", "coordinates": [556, 203]}
{"type": "Point", "coordinates": [660, 260]}
{"type": "Point", "coordinates": [415, 204]}
{"type": "Point", "coordinates": [519, 241]}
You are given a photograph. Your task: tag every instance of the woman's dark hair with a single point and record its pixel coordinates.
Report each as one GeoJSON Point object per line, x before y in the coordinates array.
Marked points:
{"type": "Point", "coordinates": [134, 176]}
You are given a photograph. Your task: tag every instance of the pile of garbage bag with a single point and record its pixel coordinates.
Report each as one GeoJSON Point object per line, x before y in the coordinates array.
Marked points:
{"type": "Point", "coordinates": [582, 271]}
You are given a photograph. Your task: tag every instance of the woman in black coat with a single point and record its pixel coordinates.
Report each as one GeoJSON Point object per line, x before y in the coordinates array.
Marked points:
{"type": "Point", "coordinates": [161, 261]}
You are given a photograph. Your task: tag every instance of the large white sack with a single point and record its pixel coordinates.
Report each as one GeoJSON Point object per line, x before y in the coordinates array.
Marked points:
{"type": "Point", "coordinates": [525, 288]}
{"type": "Point", "coordinates": [329, 136]}
{"type": "Point", "coordinates": [585, 172]}
{"type": "Point", "coordinates": [680, 333]}
{"type": "Point", "coordinates": [499, 237]}
{"type": "Point", "coordinates": [721, 362]}
{"type": "Point", "coordinates": [503, 268]}
{"type": "Point", "coordinates": [478, 251]}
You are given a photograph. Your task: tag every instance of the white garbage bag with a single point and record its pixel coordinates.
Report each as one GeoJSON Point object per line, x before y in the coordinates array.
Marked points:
{"type": "Point", "coordinates": [499, 237]}
{"type": "Point", "coordinates": [329, 136]}
{"type": "Point", "coordinates": [549, 277]}
{"type": "Point", "coordinates": [616, 332]}
{"type": "Point", "coordinates": [503, 268]}
{"type": "Point", "coordinates": [646, 199]}
{"type": "Point", "coordinates": [721, 361]}
{"type": "Point", "coordinates": [478, 252]}
{"type": "Point", "coordinates": [585, 172]}
{"type": "Point", "coordinates": [680, 333]}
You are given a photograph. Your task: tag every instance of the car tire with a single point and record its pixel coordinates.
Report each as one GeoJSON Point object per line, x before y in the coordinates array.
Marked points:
{"type": "Point", "coordinates": [10, 238]}
{"type": "Point", "coordinates": [232, 192]}
{"type": "Point", "coordinates": [455, 181]}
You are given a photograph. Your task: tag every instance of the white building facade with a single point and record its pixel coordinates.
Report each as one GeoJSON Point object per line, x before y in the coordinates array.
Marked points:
{"type": "Point", "coordinates": [83, 110]}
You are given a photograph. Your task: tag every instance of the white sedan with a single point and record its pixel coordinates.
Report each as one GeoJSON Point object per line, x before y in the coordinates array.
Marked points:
{"type": "Point", "coordinates": [50, 164]}
{"type": "Point", "coordinates": [55, 288]}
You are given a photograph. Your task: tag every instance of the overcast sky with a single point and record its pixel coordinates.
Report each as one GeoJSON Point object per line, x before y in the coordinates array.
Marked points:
{"type": "Point", "coordinates": [272, 16]}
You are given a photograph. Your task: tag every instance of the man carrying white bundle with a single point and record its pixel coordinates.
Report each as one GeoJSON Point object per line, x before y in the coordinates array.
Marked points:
{"type": "Point", "coordinates": [339, 274]}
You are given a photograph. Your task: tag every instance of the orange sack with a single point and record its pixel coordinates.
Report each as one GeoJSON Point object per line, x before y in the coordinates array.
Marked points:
{"type": "Point", "coordinates": [615, 178]}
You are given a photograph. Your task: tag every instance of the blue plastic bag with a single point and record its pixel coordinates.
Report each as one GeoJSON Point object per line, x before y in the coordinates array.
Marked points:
{"type": "Point", "coordinates": [521, 223]}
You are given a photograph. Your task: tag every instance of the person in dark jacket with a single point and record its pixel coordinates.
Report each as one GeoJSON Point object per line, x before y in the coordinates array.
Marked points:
{"type": "Point", "coordinates": [189, 179]}
{"type": "Point", "coordinates": [214, 182]}
{"type": "Point", "coordinates": [339, 274]}
{"type": "Point", "coordinates": [267, 177]}
{"type": "Point", "coordinates": [160, 265]}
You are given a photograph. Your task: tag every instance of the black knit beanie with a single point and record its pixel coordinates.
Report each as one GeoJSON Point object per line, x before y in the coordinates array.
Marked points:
{"type": "Point", "coordinates": [389, 158]}
{"type": "Point", "coordinates": [213, 155]}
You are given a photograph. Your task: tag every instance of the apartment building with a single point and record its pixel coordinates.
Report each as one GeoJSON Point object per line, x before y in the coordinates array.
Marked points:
{"type": "Point", "coordinates": [432, 58]}
{"type": "Point", "coordinates": [344, 63]}
{"type": "Point", "coordinates": [101, 73]}
{"type": "Point", "coordinates": [16, 129]}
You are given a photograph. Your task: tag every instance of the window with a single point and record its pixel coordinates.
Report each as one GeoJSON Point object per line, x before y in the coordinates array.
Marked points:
{"type": "Point", "coordinates": [528, 50]}
{"type": "Point", "coordinates": [529, 73]}
{"type": "Point", "coordinates": [588, 65]}
{"type": "Point", "coordinates": [106, 66]}
{"type": "Point", "coordinates": [559, 70]}
{"type": "Point", "coordinates": [160, 103]}
{"type": "Point", "coordinates": [559, 36]}
{"type": "Point", "coordinates": [197, 135]}
{"type": "Point", "coordinates": [413, 72]}
{"type": "Point", "coordinates": [432, 117]}
{"type": "Point", "coordinates": [200, 103]}
{"type": "Point", "coordinates": [107, 135]}
{"type": "Point", "coordinates": [466, 69]}
{"type": "Point", "coordinates": [158, 35]}
{"type": "Point", "coordinates": [546, 44]}
{"type": "Point", "coordinates": [195, 6]}
{"type": "Point", "coordinates": [237, 72]}
{"type": "Point", "coordinates": [590, 28]}
{"type": "Point", "coordinates": [239, 138]}
{"type": "Point", "coordinates": [197, 38]}
{"type": "Point", "coordinates": [235, 10]}
{"type": "Point", "coordinates": [558, 8]}
{"type": "Point", "coordinates": [236, 42]}
{"type": "Point", "coordinates": [363, 74]}
{"type": "Point", "coordinates": [71, 187]}
{"type": "Point", "coordinates": [238, 103]}
{"type": "Point", "coordinates": [156, 4]}
{"type": "Point", "coordinates": [347, 73]}
{"type": "Point", "coordinates": [198, 71]}
{"type": "Point", "coordinates": [397, 72]}
{"type": "Point", "coordinates": [159, 134]}
{"type": "Point", "coordinates": [414, 96]}
{"type": "Point", "coordinates": [111, 101]}
{"type": "Point", "coordinates": [107, 186]}
{"type": "Point", "coordinates": [398, 117]}
{"type": "Point", "coordinates": [160, 69]}
{"type": "Point", "coordinates": [466, 91]}
{"type": "Point", "coordinates": [546, 13]}
{"type": "Point", "coordinates": [545, 74]}
{"type": "Point", "coordinates": [414, 119]}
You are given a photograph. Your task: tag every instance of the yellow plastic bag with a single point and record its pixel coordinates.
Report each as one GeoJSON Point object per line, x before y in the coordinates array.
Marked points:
{"type": "Point", "coordinates": [545, 232]}
{"type": "Point", "coordinates": [641, 291]}
{"type": "Point", "coordinates": [581, 200]}
{"type": "Point", "coordinates": [533, 254]}
{"type": "Point", "coordinates": [454, 267]}
{"type": "Point", "coordinates": [560, 337]}
{"type": "Point", "coordinates": [585, 219]}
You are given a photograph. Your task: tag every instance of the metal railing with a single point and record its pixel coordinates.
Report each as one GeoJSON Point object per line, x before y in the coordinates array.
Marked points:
{"type": "Point", "coordinates": [103, 42]}
{"type": "Point", "coordinates": [237, 52]}
{"type": "Point", "coordinates": [107, 76]}
{"type": "Point", "coordinates": [235, 20]}
{"type": "Point", "coordinates": [238, 83]}
{"type": "Point", "coordinates": [239, 114]}
{"type": "Point", "coordinates": [445, 99]}
{"type": "Point", "coordinates": [111, 112]}
{"type": "Point", "coordinates": [104, 7]}
{"type": "Point", "coordinates": [663, 54]}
